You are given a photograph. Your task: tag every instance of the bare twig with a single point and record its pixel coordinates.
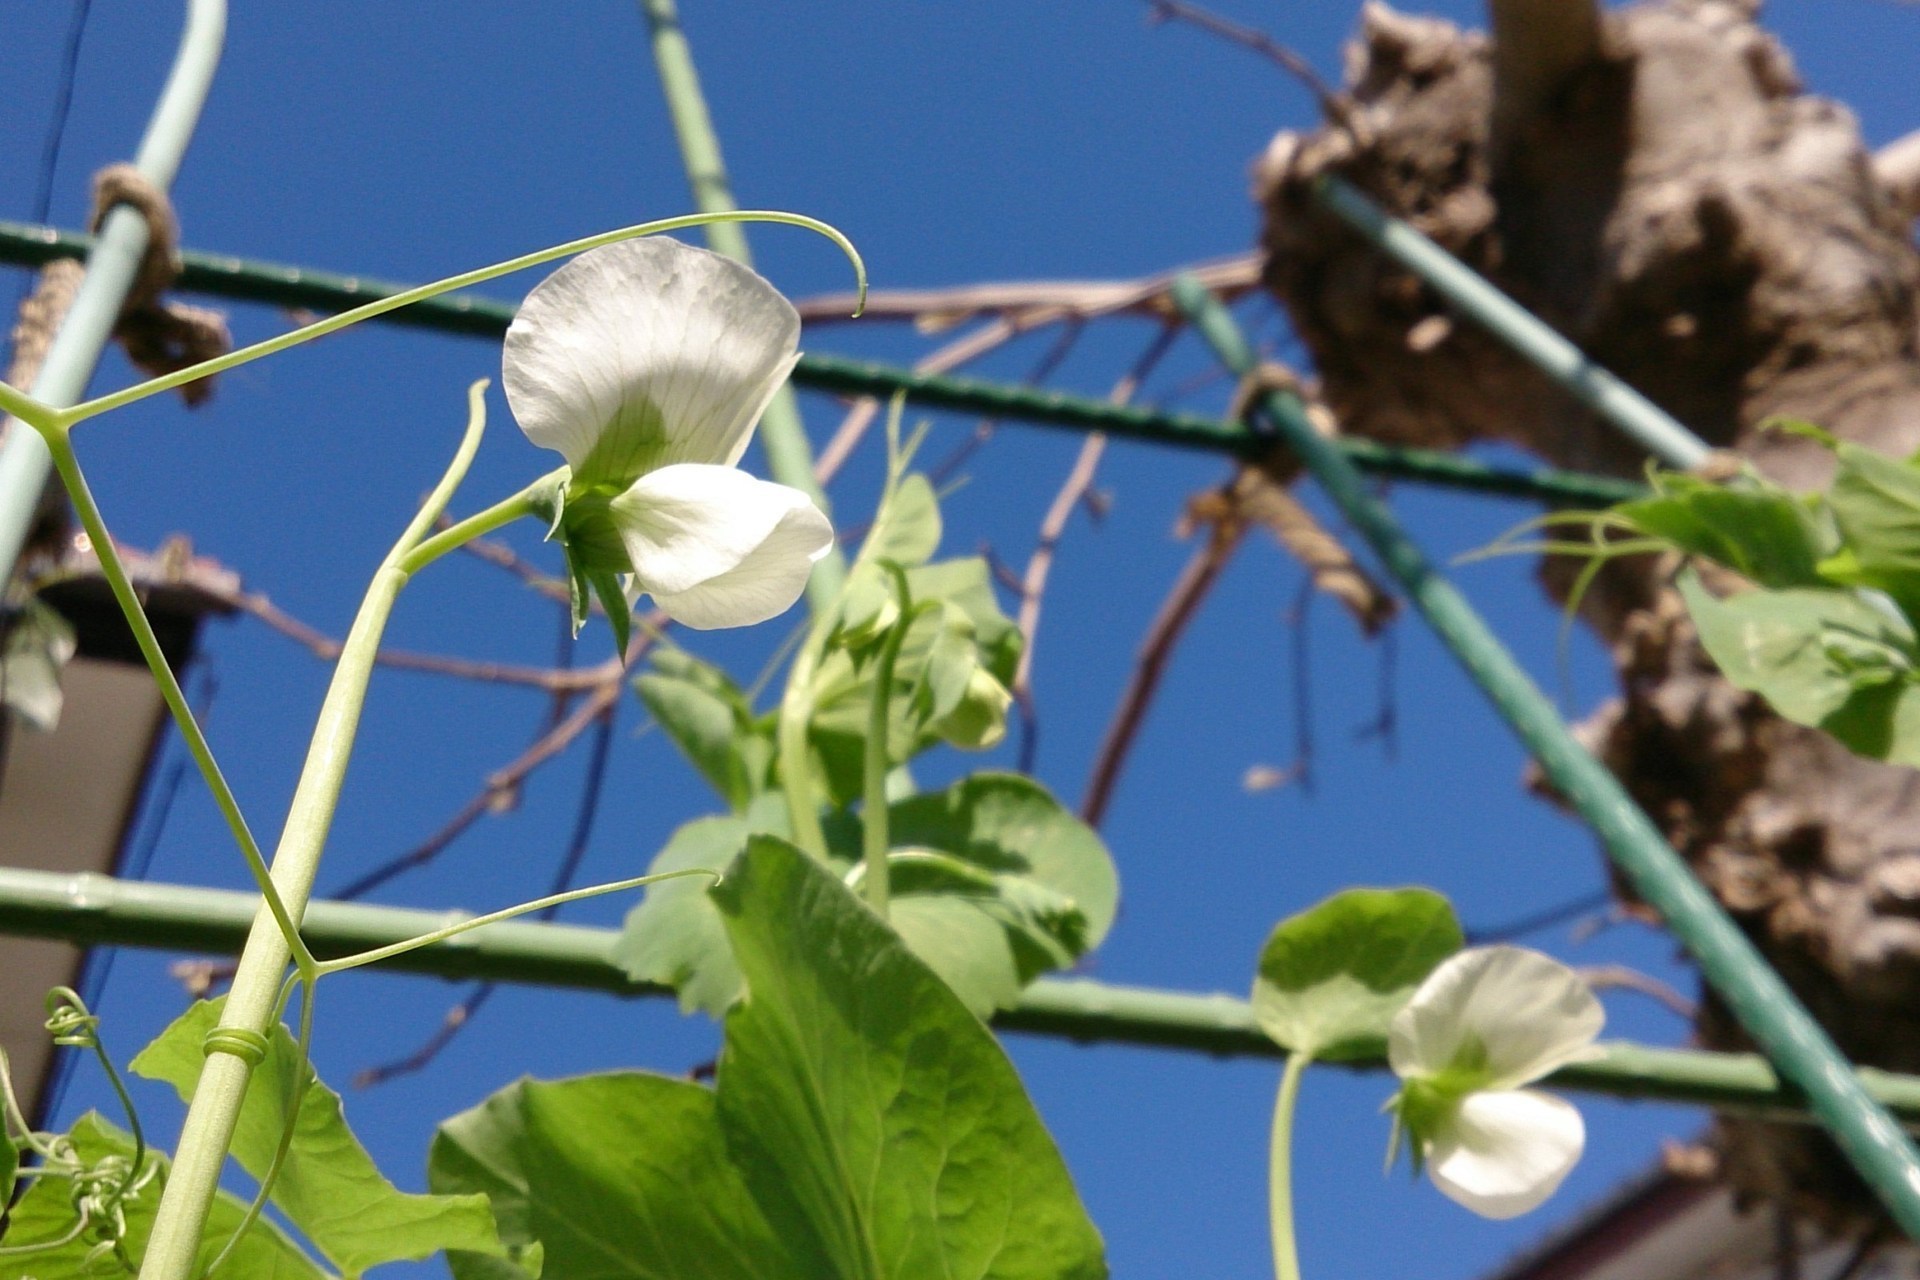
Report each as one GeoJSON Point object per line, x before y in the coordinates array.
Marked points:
{"type": "Point", "coordinates": [1030, 303]}
{"type": "Point", "coordinates": [1072, 493]}
{"type": "Point", "coordinates": [1602, 976]}
{"type": "Point", "coordinates": [1331, 104]}
{"type": "Point", "coordinates": [501, 556]}
{"type": "Point", "coordinates": [462, 1013]}
{"type": "Point", "coordinates": [501, 788]}
{"type": "Point", "coordinates": [853, 428]}
{"type": "Point", "coordinates": [1183, 601]}
{"type": "Point", "coordinates": [326, 648]}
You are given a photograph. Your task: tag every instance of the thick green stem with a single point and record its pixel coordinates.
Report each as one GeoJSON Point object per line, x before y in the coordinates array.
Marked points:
{"type": "Point", "coordinates": [254, 998]}
{"type": "Point", "coordinates": [875, 839]}
{"type": "Point", "coordinates": [782, 434]}
{"type": "Point", "coordinates": [1286, 1256]}
{"type": "Point", "coordinates": [796, 770]}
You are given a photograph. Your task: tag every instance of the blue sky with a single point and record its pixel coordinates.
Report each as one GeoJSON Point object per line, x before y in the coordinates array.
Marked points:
{"type": "Point", "coordinates": [955, 143]}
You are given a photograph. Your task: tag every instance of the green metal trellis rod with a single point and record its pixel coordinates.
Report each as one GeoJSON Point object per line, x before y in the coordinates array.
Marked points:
{"type": "Point", "coordinates": [277, 284]}
{"type": "Point", "coordinates": [1783, 1029]}
{"type": "Point", "coordinates": [100, 910]}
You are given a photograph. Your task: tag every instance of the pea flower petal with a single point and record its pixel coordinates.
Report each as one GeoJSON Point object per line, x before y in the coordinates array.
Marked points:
{"type": "Point", "coordinates": [1509, 1012]}
{"type": "Point", "coordinates": [645, 353]}
{"type": "Point", "coordinates": [1503, 1153]}
{"type": "Point", "coordinates": [716, 547]}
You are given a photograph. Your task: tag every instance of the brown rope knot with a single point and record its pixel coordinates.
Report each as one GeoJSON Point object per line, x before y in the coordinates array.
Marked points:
{"type": "Point", "coordinates": [159, 336]}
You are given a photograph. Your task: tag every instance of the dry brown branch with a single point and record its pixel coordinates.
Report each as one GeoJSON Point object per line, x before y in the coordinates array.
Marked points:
{"type": "Point", "coordinates": [1331, 104]}
{"type": "Point", "coordinates": [1183, 601]}
{"type": "Point", "coordinates": [1602, 976]}
{"type": "Point", "coordinates": [1072, 493]}
{"type": "Point", "coordinates": [1897, 166]}
{"type": "Point", "coordinates": [326, 648]}
{"type": "Point", "coordinates": [1029, 303]}
{"type": "Point", "coordinates": [500, 791]}
{"type": "Point", "coordinates": [501, 556]}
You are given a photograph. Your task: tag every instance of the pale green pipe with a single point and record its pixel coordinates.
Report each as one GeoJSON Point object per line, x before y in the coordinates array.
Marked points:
{"type": "Point", "coordinates": [783, 436]}
{"type": "Point", "coordinates": [111, 267]}
{"type": "Point", "coordinates": [1646, 423]}
{"type": "Point", "coordinates": [102, 911]}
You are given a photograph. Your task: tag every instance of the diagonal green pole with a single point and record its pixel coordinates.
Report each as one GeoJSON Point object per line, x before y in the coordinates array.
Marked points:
{"type": "Point", "coordinates": [1789, 1037]}
{"type": "Point", "coordinates": [782, 434]}
{"type": "Point", "coordinates": [1650, 426]}
{"type": "Point", "coordinates": [25, 463]}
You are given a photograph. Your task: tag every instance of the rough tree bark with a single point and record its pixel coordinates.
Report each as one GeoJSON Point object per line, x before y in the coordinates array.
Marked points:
{"type": "Point", "coordinates": [1655, 183]}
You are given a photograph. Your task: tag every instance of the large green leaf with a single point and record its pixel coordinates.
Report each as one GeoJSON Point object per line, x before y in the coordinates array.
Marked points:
{"type": "Point", "coordinates": [622, 1176]}
{"type": "Point", "coordinates": [865, 1126]}
{"type": "Point", "coordinates": [46, 1213]}
{"type": "Point", "coordinates": [328, 1188]}
{"type": "Point", "coordinates": [1332, 977]}
{"type": "Point", "coordinates": [994, 883]}
{"type": "Point", "coordinates": [1827, 659]}
{"type": "Point", "coordinates": [869, 1111]}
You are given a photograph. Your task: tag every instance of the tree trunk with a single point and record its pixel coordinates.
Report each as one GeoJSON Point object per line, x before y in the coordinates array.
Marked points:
{"type": "Point", "coordinates": [1653, 182]}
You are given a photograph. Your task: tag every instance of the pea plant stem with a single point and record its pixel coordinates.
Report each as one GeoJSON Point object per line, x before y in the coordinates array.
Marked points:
{"type": "Point", "coordinates": [1286, 1257]}
{"type": "Point", "coordinates": [875, 838]}
{"type": "Point", "coordinates": [254, 998]}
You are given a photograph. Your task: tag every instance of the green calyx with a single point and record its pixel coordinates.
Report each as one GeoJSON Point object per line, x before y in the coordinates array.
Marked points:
{"type": "Point", "coordinates": [1424, 1103]}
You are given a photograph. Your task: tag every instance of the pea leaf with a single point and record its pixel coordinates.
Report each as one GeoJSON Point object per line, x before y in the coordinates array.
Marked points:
{"type": "Point", "coordinates": [46, 1213]}
{"type": "Point", "coordinates": [620, 1175]}
{"type": "Point", "coordinates": [994, 883]}
{"type": "Point", "coordinates": [39, 644]}
{"type": "Point", "coordinates": [1332, 977]}
{"type": "Point", "coordinates": [864, 1126]}
{"type": "Point", "coordinates": [674, 936]}
{"type": "Point", "coordinates": [870, 1113]}
{"type": "Point", "coordinates": [9, 1172]}
{"type": "Point", "coordinates": [1827, 659]}
{"type": "Point", "coordinates": [1876, 504]}
{"type": "Point", "coordinates": [709, 718]}
{"type": "Point", "coordinates": [1044, 892]}
{"type": "Point", "coordinates": [1757, 529]}
{"type": "Point", "coordinates": [328, 1188]}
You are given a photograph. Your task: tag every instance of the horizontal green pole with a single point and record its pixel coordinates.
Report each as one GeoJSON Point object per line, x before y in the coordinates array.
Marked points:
{"type": "Point", "coordinates": [1643, 421]}
{"type": "Point", "coordinates": [464, 313]}
{"type": "Point", "coordinates": [100, 910]}
{"type": "Point", "coordinates": [1759, 999]}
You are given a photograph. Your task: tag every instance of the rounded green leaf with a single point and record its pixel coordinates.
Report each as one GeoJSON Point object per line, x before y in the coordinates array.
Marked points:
{"type": "Point", "coordinates": [1331, 978]}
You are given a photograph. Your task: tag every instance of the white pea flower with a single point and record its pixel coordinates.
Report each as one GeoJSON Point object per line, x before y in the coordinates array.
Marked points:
{"type": "Point", "coordinates": [647, 364]}
{"type": "Point", "coordinates": [1486, 1022]}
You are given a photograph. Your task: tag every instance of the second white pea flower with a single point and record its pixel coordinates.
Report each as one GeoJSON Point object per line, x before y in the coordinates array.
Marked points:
{"type": "Point", "coordinates": [1486, 1022]}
